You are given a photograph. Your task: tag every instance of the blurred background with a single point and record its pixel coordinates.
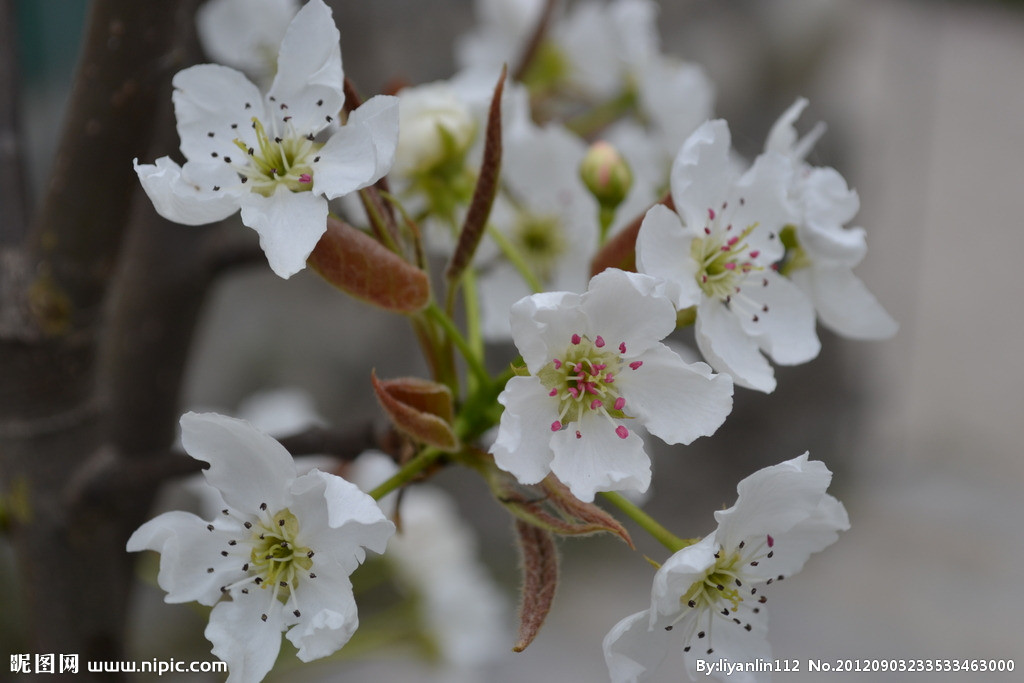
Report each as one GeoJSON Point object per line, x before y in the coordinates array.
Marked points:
{"type": "Point", "coordinates": [924, 105]}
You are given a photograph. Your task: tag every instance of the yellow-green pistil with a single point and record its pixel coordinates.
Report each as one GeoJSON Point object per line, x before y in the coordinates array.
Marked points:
{"type": "Point", "coordinates": [277, 559]}
{"type": "Point", "coordinates": [278, 161]}
{"type": "Point", "coordinates": [724, 259]}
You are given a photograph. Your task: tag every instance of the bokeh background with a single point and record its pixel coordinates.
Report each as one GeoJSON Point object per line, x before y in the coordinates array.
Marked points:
{"type": "Point", "coordinates": [925, 106]}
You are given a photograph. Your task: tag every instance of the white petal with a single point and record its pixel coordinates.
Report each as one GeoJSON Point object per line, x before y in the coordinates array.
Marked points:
{"type": "Point", "coordinates": [786, 330]}
{"type": "Point", "coordinates": [289, 225]}
{"type": "Point", "coordinates": [210, 98]}
{"type": "Point", "coordinates": [764, 189]}
{"type": "Point", "coordinates": [543, 325]}
{"type": "Point", "coordinates": [844, 304]}
{"type": "Point", "coordinates": [188, 550]}
{"type": "Point", "coordinates": [727, 348]}
{"type": "Point", "coordinates": [524, 434]}
{"type": "Point", "coordinates": [179, 198]}
{"type": "Point", "coordinates": [329, 615]}
{"type": "Point", "coordinates": [360, 152]}
{"type": "Point", "coordinates": [663, 251]}
{"type": "Point", "coordinates": [633, 651]}
{"type": "Point", "coordinates": [246, 465]}
{"type": "Point", "coordinates": [783, 136]}
{"type": "Point", "coordinates": [679, 572]}
{"type": "Point", "coordinates": [337, 520]}
{"type": "Point", "coordinates": [827, 200]}
{"type": "Point", "coordinates": [773, 499]}
{"type": "Point", "coordinates": [676, 402]}
{"type": "Point", "coordinates": [598, 459]}
{"type": "Point", "coordinates": [244, 34]}
{"type": "Point", "coordinates": [734, 644]}
{"type": "Point", "coordinates": [702, 173]}
{"type": "Point", "coordinates": [677, 95]}
{"type": "Point", "coordinates": [816, 532]}
{"type": "Point", "coordinates": [242, 639]}
{"type": "Point", "coordinates": [628, 308]}
{"type": "Point", "coordinates": [309, 83]}
{"type": "Point", "coordinates": [500, 287]}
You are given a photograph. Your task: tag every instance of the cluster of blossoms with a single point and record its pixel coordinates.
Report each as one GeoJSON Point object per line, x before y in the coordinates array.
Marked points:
{"type": "Point", "coordinates": [588, 206]}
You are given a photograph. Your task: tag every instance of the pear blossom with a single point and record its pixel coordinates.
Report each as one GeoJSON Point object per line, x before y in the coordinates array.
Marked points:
{"type": "Point", "coordinates": [277, 157]}
{"type": "Point", "coordinates": [596, 364]}
{"type": "Point", "coordinates": [245, 34]}
{"type": "Point", "coordinates": [822, 251]}
{"type": "Point", "coordinates": [547, 215]}
{"type": "Point", "coordinates": [708, 598]}
{"type": "Point", "coordinates": [717, 251]}
{"type": "Point", "coordinates": [277, 557]}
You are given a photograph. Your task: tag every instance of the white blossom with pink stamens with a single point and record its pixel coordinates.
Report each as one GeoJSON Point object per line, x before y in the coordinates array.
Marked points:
{"type": "Point", "coordinates": [597, 366]}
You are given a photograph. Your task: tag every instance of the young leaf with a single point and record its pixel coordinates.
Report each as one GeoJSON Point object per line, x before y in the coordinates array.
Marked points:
{"type": "Point", "coordinates": [359, 265]}
{"type": "Point", "coordinates": [540, 578]}
{"type": "Point", "coordinates": [486, 188]}
{"type": "Point", "coordinates": [420, 408]}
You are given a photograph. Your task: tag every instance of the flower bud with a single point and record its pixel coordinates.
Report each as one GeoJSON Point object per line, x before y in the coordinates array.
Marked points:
{"type": "Point", "coordinates": [435, 127]}
{"type": "Point", "coordinates": [606, 174]}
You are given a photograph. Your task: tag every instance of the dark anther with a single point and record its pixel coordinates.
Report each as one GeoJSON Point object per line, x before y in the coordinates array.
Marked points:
{"type": "Point", "coordinates": [280, 522]}
{"type": "Point", "coordinates": [747, 627]}
{"type": "Point", "coordinates": [248, 525]}
{"type": "Point", "coordinates": [214, 155]}
{"type": "Point", "coordinates": [312, 575]}
{"type": "Point", "coordinates": [297, 613]}
{"type": "Point", "coordinates": [245, 567]}
{"type": "Point", "coordinates": [232, 542]}
{"type": "Point", "coordinates": [210, 134]}
{"type": "Point", "coordinates": [209, 527]}
{"type": "Point", "coordinates": [700, 634]}
{"type": "Point", "coordinates": [319, 103]}
{"type": "Point", "coordinates": [227, 160]}
{"type": "Point", "coordinates": [216, 188]}
{"type": "Point", "coordinates": [691, 603]}
{"type": "Point", "coordinates": [209, 570]}
{"type": "Point", "coordinates": [223, 553]}
{"type": "Point", "coordinates": [263, 617]}
{"type": "Point", "coordinates": [669, 627]}
{"type": "Point", "coordinates": [329, 119]}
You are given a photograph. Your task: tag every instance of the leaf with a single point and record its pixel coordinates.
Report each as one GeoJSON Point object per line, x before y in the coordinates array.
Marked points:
{"type": "Point", "coordinates": [357, 264]}
{"type": "Point", "coordinates": [620, 251]}
{"type": "Point", "coordinates": [540, 578]}
{"type": "Point", "coordinates": [486, 188]}
{"type": "Point", "coordinates": [420, 408]}
{"type": "Point", "coordinates": [588, 514]}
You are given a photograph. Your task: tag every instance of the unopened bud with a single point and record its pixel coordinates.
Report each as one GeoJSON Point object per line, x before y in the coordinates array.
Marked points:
{"type": "Point", "coordinates": [606, 174]}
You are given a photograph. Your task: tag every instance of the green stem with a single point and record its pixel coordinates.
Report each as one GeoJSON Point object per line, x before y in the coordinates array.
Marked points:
{"type": "Point", "coordinates": [472, 360]}
{"type": "Point", "coordinates": [515, 258]}
{"type": "Point", "coordinates": [647, 523]}
{"type": "Point", "coordinates": [407, 473]}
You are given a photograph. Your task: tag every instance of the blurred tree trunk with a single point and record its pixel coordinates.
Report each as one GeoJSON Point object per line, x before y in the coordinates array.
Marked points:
{"type": "Point", "coordinates": [73, 430]}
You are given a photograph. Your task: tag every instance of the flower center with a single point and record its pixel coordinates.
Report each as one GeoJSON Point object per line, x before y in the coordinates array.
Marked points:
{"type": "Point", "coordinates": [583, 381]}
{"type": "Point", "coordinates": [541, 241]}
{"type": "Point", "coordinates": [721, 594]}
{"type": "Point", "coordinates": [724, 257]}
{"type": "Point", "coordinates": [276, 557]}
{"type": "Point", "coordinates": [278, 161]}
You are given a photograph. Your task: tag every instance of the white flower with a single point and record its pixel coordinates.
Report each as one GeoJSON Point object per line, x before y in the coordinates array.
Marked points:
{"type": "Point", "coordinates": [436, 555]}
{"type": "Point", "coordinates": [596, 363]}
{"type": "Point", "coordinates": [708, 599]}
{"type": "Point", "coordinates": [282, 548]}
{"type": "Point", "coordinates": [505, 26]}
{"type": "Point", "coordinates": [547, 215]}
{"type": "Point", "coordinates": [264, 154]}
{"type": "Point", "coordinates": [245, 34]}
{"type": "Point", "coordinates": [716, 252]}
{"type": "Point", "coordinates": [825, 252]}
{"type": "Point", "coordinates": [435, 124]}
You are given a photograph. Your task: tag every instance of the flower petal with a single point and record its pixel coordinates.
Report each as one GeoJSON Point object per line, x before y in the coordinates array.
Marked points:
{"type": "Point", "coordinates": [816, 532]}
{"type": "Point", "coordinates": [676, 402]}
{"type": "Point", "coordinates": [329, 615]}
{"type": "Point", "coordinates": [337, 520]}
{"type": "Point", "coordinates": [246, 465]}
{"type": "Point", "coordinates": [179, 198]}
{"type": "Point", "coordinates": [241, 638]}
{"type": "Point", "coordinates": [543, 324]}
{"type": "Point", "coordinates": [289, 225]}
{"type": "Point", "coordinates": [844, 304]}
{"type": "Point", "coordinates": [244, 34]}
{"type": "Point", "coordinates": [309, 83]}
{"type": "Point", "coordinates": [628, 308]}
{"type": "Point", "coordinates": [590, 456]}
{"type": "Point", "coordinates": [678, 96]}
{"type": "Point", "coordinates": [784, 326]}
{"type": "Point", "coordinates": [188, 550]}
{"type": "Point", "coordinates": [702, 173]}
{"type": "Point", "coordinates": [679, 572]}
{"type": "Point", "coordinates": [360, 152]}
{"type": "Point", "coordinates": [524, 434]}
{"type": "Point", "coordinates": [773, 500]}
{"type": "Point", "coordinates": [663, 250]}
{"type": "Point", "coordinates": [760, 197]}
{"type": "Point", "coordinates": [727, 348]}
{"type": "Point", "coordinates": [633, 651]}
{"type": "Point", "coordinates": [209, 98]}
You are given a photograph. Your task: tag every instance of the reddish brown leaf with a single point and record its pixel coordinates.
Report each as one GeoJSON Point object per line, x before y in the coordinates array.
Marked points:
{"type": "Point", "coordinates": [589, 515]}
{"type": "Point", "coordinates": [420, 408]}
{"type": "Point", "coordinates": [359, 265]}
{"type": "Point", "coordinates": [540, 578]}
{"type": "Point", "coordinates": [620, 250]}
{"type": "Point", "coordinates": [486, 188]}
